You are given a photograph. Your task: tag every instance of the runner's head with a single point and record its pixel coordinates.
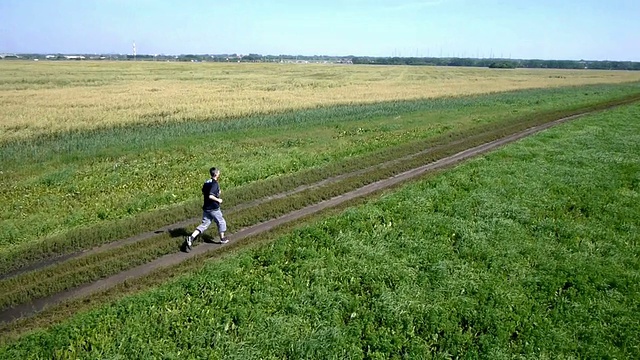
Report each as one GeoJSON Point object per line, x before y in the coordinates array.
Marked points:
{"type": "Point", "coordinates": [214, 172]}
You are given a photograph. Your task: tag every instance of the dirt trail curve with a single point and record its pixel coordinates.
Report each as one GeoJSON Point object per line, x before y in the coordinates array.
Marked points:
{"type": "Point", "coordinates": [36, 306]}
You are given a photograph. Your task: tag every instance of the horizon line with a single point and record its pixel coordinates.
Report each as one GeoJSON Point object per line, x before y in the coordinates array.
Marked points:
{"type": "Point", "coordinates": [5, 54]}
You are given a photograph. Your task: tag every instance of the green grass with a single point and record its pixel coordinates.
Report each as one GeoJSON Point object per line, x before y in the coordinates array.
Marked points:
{"type": "Point", "coordinates": [529, 252]}
{"type": "Point", "coordinates": [52, 185]}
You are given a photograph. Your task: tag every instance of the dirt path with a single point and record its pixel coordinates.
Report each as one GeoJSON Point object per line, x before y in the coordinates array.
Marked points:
{"type": "Point", "coordinates": [36, 306]}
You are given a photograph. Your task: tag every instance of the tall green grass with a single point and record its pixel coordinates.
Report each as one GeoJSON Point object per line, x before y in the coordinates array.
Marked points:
{"type": "Point", "coordinates": [530, 252]}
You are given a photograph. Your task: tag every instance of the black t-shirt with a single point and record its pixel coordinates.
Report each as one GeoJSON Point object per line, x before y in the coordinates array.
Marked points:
{"type": "Point", "coordinates": [210, 187]}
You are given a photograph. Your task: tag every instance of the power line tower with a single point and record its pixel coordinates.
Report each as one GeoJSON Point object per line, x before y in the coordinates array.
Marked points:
{"type": "Point", "coordinates": [134, 50]}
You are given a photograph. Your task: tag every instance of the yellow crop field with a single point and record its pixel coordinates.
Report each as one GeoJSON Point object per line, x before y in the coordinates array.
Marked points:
{"type": "Point", "coordinates": [49, 97]}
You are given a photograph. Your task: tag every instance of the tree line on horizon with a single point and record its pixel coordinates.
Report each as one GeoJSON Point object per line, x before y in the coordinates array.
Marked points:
{"type": "Point", "coordinates": [350, 59]}
{"type": "Point", "coordinates": [501, 63]}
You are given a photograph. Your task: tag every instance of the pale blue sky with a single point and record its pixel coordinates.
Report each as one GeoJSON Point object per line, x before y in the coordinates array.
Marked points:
{"type": "Point", "coordinates": [542, 29]}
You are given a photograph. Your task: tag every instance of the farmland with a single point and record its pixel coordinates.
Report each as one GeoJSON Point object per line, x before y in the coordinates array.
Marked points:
{"type": "Point", "coordinates": [50, 98]}
{"type": "Point", "coordinates": [530, 251]}
{"type": "Point", "coordinates": [78, 174]}
{"type": "Point", "coordinates": [105, 164]}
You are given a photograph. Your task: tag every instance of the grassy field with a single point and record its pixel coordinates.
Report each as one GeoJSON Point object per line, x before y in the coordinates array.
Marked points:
{"type": "Point", "coordinates": [87, 143]}
{"type": "Point", "coordinates": [379, 165]}
{"type": "Point", "coordinates": [47, 98]}
{"type": "Point", "coordinates": [529, 252]}
{"type": "Point", "coordinates": [81, 179]}
{"type": "Point", "coordinates": [71, 188]}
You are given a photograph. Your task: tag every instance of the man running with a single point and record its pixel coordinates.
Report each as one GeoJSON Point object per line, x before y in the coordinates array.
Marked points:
{"type": "Point", "coordinates": [210, 210]}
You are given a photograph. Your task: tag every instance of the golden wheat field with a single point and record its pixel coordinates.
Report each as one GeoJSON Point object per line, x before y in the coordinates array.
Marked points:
{"type": "Point", "coordinates": [49, 97]}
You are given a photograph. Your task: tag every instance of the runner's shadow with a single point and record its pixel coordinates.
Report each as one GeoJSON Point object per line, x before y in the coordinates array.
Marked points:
{"type": "Point", "coordinates": [208, 239]}
{"type": "Point", "coordinates": [182, 232]}
{"type": "Point", "coordinates": [178, 232]}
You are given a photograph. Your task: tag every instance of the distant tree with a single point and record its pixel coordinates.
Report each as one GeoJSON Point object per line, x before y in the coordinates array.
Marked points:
{"type": "Point", "coordinates": [252, 57]}
{"type": "Point", "coordinates": [503, 65]}
{"type": "Point", "coordinates": [461, 62]}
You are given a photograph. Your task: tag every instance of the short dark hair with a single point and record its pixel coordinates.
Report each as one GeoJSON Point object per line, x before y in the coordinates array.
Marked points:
{"type": "Point", "coordinates": [213, 171]}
